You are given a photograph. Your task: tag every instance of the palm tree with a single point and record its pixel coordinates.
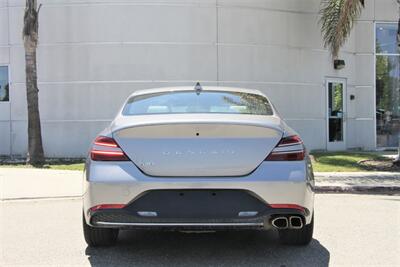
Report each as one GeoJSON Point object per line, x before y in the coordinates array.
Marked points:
{"type": "Point", "coordinates": [337, 20]}
{"type": "Point", "coordinates": [338, 17]}
{"type": "Point", "coordinates": [30, 38]}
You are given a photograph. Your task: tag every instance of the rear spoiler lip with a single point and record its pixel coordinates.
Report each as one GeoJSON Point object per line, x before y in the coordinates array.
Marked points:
{"type": "Point", "coordinates": [278, 127]}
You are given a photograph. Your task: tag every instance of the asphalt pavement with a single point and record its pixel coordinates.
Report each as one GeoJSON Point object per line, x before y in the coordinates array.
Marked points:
{"type": "Point", "coordinates": [356, 230]}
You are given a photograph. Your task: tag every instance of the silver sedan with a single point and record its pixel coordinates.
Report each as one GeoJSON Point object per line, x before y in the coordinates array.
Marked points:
{"type": "Point", "coordinates": [194, 159]}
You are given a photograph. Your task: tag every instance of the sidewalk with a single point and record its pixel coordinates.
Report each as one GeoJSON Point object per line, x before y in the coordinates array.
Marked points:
{"type": "Point", "coordinates": [29, 183]}
{"type": "Point", "coordinates": [26, 183]}
{"type": "Point", "coordinates": [358, 182]}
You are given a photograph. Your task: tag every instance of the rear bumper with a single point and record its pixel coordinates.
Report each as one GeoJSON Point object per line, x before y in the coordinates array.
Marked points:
{"type": "Point", "coordinates": [187, 226]}
{"type": "Point", "coordinates": [120, 220]}
{"type": "Point", "coordinates": [123, 183]}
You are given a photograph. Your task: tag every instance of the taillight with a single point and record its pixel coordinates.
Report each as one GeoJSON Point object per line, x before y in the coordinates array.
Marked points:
{"type": "Point", "coordinates": [106, 149]}
{"type": "Point", "coordinates": [290, 148]}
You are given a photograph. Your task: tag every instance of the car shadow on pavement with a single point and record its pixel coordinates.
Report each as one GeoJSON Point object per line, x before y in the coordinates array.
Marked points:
{"type": "Point", "coordinates": [250, 248]}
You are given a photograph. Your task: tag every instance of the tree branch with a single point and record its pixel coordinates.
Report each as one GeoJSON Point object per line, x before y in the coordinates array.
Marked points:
{"type": "Point", "coordinates": [40, 6]}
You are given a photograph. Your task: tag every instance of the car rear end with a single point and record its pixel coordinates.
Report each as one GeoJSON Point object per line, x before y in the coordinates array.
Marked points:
{"type": "Point", "coordinates": [198, 171]}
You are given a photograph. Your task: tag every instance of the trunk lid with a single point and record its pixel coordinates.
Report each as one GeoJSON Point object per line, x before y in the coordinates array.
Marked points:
{"type": "Point", "coordinates": [197, 145]}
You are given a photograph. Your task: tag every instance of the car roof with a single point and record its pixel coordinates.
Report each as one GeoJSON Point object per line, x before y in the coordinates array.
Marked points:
{"type": "Point", "coordinates": [191, 88]}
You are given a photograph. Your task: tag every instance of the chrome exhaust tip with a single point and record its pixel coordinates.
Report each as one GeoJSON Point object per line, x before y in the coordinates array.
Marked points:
{"type": "Point", "coordinates": [295, 222]}
{"type": "Point", "coordinates": [280, 223]}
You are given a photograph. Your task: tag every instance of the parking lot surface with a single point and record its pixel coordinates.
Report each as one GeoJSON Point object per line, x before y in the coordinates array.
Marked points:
{"type": "Point", "coordinates": [361, 230]}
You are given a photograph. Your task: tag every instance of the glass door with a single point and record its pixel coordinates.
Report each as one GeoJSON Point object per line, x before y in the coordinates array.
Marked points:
{"type": "Point", "coordinates": [387, 85]}
{"type": "Point", "coordinates": [336, 114]}
{"type": "Point", "coordinates": [5, 122]}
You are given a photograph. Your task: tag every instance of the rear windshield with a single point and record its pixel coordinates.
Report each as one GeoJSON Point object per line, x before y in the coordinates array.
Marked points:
{"type": "Point", "coordinates": [205, 102]}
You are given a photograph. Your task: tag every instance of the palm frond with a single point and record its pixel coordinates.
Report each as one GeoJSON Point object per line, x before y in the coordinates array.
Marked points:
{"type": "Point", "coordinates": [337, 20]}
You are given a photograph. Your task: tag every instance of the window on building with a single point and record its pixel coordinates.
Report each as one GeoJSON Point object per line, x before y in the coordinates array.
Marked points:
{"type": "Point", "coordinates": [4, 84]}
{"type": "Point", "coordinates": [387, 85]}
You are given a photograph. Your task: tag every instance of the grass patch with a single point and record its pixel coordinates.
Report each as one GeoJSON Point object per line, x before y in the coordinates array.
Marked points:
{"type": "Point", "coordinates": [344, 161]}
{"type": "Point", "coordinates": [70, 165]}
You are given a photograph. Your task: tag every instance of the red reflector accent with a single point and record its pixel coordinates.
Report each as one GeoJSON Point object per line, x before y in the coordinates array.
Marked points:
{"type": "Point", "coordinates": [107, 206]}
{"type": "Point", "coordinates": [287, 206]}
{"type": "Point", "coordinates": [106, 149]}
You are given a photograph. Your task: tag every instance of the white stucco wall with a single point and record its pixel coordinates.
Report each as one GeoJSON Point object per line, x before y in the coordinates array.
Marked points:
{"type": "Point", "coordinates": [93, 53]}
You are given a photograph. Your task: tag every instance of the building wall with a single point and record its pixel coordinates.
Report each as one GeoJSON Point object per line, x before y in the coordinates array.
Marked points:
{"type": "Point", "coordinates": [94, 53]}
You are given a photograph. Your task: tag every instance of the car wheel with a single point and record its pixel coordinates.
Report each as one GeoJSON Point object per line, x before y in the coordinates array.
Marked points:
{"type": "Point", "coordinates": [299, 237]}
{"type": "Point", "coordinates": [96, 237]}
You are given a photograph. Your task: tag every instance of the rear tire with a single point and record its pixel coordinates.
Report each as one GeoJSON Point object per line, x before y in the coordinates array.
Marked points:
{"type": "Point", "coordinates": [298, 237]}
{"type": "Point", "coordinates": [96, 237]}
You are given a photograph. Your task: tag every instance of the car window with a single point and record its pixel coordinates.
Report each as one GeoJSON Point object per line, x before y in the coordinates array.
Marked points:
{"type": "Point", "coordinates": [203, 102]}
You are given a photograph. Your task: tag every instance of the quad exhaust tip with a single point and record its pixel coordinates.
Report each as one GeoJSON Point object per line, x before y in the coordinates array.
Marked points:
{"type": "Point", "coordinates": [295, 222]}
{"type": "Point", "coordinates": [290, 222]}
{"type": "Point", "coordinates": [280, 223]}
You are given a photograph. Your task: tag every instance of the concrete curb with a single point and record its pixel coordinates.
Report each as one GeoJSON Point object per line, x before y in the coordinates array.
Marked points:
{"type": "Point", "coordinates": [37, 199]}
{"type": "Point", "coordinates": [379, 190]}
{"type": "Point", "coordinates": [353, 175]}
{"type": "Point", "coordinates": [385, 183]}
